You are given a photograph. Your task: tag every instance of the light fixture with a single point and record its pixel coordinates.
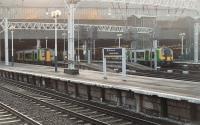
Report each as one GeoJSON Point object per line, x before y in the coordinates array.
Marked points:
{"type": "Point", "coordinates": [109, 12]}
{"type": "Point", "coordinates": [55, 15]}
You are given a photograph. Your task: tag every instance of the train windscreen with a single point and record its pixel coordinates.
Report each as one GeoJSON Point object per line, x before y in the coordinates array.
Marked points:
{"type": "Point", "coordinates": [167, 52]}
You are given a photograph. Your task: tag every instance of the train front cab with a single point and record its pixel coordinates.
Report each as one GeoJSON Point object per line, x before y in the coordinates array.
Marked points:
{"type": "Point", "coordinates": [44, 56]}
{"type": "Point", "coordinates": [165, 57]}
{"type": "Point", "coordinates": [48, 57]}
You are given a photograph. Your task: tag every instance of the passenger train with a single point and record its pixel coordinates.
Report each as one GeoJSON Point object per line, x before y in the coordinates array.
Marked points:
{"type": "Point", "coordinates": [164, 56]}
{"type": "Point", "coordinates": [37, 56]}
{"type": "Point", "coordinates": [143, 56]}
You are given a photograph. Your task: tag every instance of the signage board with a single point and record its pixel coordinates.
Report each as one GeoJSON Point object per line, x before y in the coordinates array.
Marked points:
{"type": "Point", "coordinates": [112, 52]}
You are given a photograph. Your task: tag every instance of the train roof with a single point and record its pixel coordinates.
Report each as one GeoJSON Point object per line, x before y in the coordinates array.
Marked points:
{"type": "Point", "coordinates": [148, 48]}
{"type": "Point", "coordinates": [30, 50]}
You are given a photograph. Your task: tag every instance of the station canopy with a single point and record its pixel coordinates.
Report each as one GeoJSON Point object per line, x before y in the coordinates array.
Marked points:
{"type": "Point", "coordinates": [100, 9]}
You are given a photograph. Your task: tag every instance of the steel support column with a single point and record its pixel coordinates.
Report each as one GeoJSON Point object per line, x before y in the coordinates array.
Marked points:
{"type": "Point", "coordinates": [0, 50]}
{"type": "Point", "coordinates": [71, 36]}
{"type": "Point", "coordinates": [56, 59]}
{"type": "Point", "coordinates": [6, 41]}
{"type": "Point", "coordinates": [12, 48]}
{"type": "Point", "coordinates": [155, 45]}
{"type": "Point", "coordinates": [196, 42]}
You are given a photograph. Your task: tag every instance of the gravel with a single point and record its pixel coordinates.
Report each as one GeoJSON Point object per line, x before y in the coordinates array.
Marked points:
{"type": "Point", "coordinates": [38, 113]}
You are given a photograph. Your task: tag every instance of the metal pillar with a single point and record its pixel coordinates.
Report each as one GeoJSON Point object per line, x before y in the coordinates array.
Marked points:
{"type": "Point", "coordinates": [64, 45]}
{"type": "Point", "coordinates": [64, 49]}
{"type": "Point", "coordinates": [94, 44]}
{"type": "Point", "coordinates": [196, 42]}
{"type": "Point", "coordinates": [46, 42]}
{"type": "Point", "coordinates": [0, 50]}
{"type": "Point", "coordinates": [119, 42]}
{"type": "Point", "coordinates": [6, 42]}
{"type": "Point", "coordinates": [78, 45]}
{"type": "Point", "coordinates": [85, 49]}
{"type": "Point", "coordinates": [89, 56]}
{"type": "Point", "coordinates": [123, 64]}
{"type": "Point", "coordinates": [104, 66]}
{"type": "Point", "coordinates": [135, 57]}
{"type": "Point", "coordinates": [56, 65]}
{"type": "Point", "coordinates": [71, 36]}
{"type": "Point", "coordinates": [155, 54]}
{"type": "Point", "coordinates": [182, 35]}
{"type": "Point", "coordinates": [12, 48]}
{"type": "Point", "coordinates": [182, 38]}
{"type": "Point", "coordinates": [119, 35]}
{"type": "Point", "coordinates": [38, 44]}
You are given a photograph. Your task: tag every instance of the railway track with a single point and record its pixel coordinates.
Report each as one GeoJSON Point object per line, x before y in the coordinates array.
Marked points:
{"type": "Point", "coordinates": [10, 116]}
{"type": "Point", "coordinates": [85, 113]}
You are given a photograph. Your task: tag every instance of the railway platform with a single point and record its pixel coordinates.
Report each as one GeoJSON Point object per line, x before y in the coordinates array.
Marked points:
{"type": "Point", "coordinates": [171, 99]}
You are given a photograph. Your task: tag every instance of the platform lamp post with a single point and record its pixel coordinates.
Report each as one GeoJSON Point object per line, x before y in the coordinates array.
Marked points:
{"type": "Point", "coordinates": [12, 31]}
{"type": "Point", "coordinates": [182, 35]}
{"type": "Point", "coordinates": [55, 15]}
{"type": "Point", "coordinates": [64, 49]}
{"type": "Point", "coordinates": [119, 36]}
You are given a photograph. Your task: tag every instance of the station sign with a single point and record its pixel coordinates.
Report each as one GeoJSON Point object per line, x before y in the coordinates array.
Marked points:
{"type": "Point", "coordinates": [112, 52]}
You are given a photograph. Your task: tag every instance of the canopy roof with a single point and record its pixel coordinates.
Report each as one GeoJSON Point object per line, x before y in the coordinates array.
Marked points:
{"type": "Point", "coordinates": [100, 9]}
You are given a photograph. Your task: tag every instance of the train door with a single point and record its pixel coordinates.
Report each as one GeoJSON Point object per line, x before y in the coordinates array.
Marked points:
{"type": "Point", "coordinates": [39, 56]}
{"type": "Point", "coordinates": [23, 57]}
{"type": "Point", "coordinates": [147, 55]}
{"type": "Point", "coordinates": [151, 57]}
{"type": "Point", "coordinates": [48, 56]}
{"type": "Point", "coordinates": [35, 56]}
{"type": "Point", "coordinates": [52, 55]}
{"type": "Point", "coordinates": [43, 56]}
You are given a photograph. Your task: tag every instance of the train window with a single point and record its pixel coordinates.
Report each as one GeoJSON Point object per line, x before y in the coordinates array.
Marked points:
{"type": "Point", "coordinates": [133, 55]}
{"type": "Point", "coordinates": [140, 55]}
{"type": "Point", "coordinates": [152, 55]}
{"type": "Point", "coordinates": [21, 55]}
{"type": "Point", "coordinates": [147, 54]}
{"type": "Point", "coordinates": [28, 55]}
